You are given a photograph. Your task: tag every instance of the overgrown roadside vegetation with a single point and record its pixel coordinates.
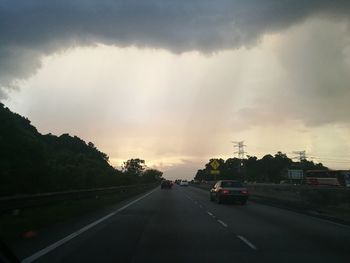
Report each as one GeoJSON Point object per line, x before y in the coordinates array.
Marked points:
{"type": "Point", "coordinates": [28, 223]}
{"type": "Point", "coordinates": [32, 163]}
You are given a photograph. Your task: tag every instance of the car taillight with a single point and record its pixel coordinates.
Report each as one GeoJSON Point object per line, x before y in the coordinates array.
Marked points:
{"type": "Point", "coordinates": [225, 192]}
{"type": "Point", "coordinates": [244, 192]}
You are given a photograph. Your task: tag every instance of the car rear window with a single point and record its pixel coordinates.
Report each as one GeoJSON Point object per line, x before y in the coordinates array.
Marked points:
{"type": "Point", "coordinates": [231, 184]}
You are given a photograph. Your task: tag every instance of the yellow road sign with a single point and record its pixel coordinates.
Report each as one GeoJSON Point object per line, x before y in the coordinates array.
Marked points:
{"type": "Point", "coordinates": [215, 164]}
{"type": "Point", "coordinates": [216, 172]}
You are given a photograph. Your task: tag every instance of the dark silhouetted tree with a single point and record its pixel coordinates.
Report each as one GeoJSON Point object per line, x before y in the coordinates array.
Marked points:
{"type": "Point", "coordinates": [134, 166]}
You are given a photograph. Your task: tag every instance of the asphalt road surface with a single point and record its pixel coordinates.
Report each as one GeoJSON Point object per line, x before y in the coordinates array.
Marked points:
{"type": "Point", "coordinates": [182, 225]}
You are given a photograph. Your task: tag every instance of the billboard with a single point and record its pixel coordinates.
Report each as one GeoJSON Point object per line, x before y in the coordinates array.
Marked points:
{"type": "Point", "coordinates": [295, 174]}
{"type": "Point", "coordinates": [346, 175]}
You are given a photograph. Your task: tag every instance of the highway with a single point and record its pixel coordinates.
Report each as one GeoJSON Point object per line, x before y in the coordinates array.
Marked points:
{"type": "Point", "coordinates": [182, 225]}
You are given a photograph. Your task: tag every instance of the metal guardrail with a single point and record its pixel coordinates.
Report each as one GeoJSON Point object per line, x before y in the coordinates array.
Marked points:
{"type": "Point", "coordinates": [11, 203]}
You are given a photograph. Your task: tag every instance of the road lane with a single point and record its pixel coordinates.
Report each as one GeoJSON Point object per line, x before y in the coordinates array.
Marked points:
{"type": "Point", "coordinates": [182, 232]}
{"type": "Point", "coordinates": [80, 231]}
{"type": "Point", "coordinates": [165, 225]}
{"type": "Point", "coordinates": [182, 225]}
{"type": "Point", "coordinates": [279, 233]}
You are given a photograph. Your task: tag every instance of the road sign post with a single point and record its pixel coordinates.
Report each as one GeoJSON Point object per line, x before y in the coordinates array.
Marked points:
{"type": "Point", "coordinates": [215, 165]}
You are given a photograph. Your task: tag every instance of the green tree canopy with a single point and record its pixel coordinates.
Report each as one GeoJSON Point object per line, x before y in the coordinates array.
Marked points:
{"type": "Point", "coordinates": [134, 166]}
{"type": "Point", "coordinates": [270, 168]}
{"type": "Point", "coordinates": [31, 162]}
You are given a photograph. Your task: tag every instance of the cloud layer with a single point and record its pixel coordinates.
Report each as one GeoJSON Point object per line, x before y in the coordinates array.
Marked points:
{"type": "Point", "coordinates": [311, 83]}
{"type": "Point", "coordinates": [172, 81]}
{"type": "Point", "coordinates": [34, 28]}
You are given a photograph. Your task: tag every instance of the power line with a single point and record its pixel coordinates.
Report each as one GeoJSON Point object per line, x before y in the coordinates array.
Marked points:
{"type": "Point", "coordinates": [335, 155]}
{"type": "Point", "coordinates": [330, 159]}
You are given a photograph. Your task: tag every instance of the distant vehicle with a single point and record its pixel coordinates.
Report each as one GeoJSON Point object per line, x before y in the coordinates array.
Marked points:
{"type": "Point", "coordinates": [183, 183]}
{"type": "Point", "coordinates": [328, 177]}
{"type": "Point", "coordinates": [229, 190]}
{"type": "Point", "coordinates": [166, 184]}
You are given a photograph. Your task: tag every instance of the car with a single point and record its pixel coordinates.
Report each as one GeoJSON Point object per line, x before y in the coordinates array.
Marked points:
{"type": "Point", "coordinates": [178, 181]}
{"type": "Point", "coordinates": [166, 184]}
{"type": "Point", "coordinates": [229, 190]}
{"type": "Point", "coordinates": [183, 183]}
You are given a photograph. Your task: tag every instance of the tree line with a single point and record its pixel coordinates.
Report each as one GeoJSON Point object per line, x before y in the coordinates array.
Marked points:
{"type": "Point", "coordinates": [270, 168]}
{"type": "Point", "coordinates": [32, 163]}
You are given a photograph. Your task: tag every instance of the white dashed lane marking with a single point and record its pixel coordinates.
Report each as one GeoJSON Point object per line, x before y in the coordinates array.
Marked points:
{"type": "Point", "coordinates": [247, 242]}
{"type": "Point", "coordinates": [222, 223]}
{"type": "Point", "coordinates": [242, 238]}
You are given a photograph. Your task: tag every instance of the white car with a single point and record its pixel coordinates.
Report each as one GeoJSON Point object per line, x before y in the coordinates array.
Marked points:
{"type": "Point", "coordinates": [183, 183]}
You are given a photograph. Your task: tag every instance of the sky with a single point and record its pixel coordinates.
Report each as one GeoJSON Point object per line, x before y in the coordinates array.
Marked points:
{"type": "Point", "coordinates": [175, 82]}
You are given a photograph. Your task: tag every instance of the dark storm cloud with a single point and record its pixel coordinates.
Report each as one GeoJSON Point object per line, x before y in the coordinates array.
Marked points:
{"type": "Point", "coordinates": [33, 28]}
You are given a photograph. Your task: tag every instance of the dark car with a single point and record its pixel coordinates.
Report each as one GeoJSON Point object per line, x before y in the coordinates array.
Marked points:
{"type": "Point", "coordinates": [166, 184]}
{"type": "Point", "coordinates": [229, 190]}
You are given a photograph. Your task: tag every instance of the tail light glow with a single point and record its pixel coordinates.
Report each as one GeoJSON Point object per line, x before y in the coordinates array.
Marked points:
{"type": "Point", "coordinates": [225, 192]}
{"type": "Point", "coordinates": [244, 192]}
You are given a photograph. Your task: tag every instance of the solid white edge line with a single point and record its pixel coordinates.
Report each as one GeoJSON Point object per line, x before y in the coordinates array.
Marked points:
{"type": "Point", "coordinates": [64, 240]}
{"type": "Point", "coordinates": [222, 223]}
{"type": "Point", "coordinates": [246, 241]}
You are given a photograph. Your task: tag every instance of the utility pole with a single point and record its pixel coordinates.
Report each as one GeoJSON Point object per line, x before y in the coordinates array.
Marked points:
{"type": "Point", "coordinates": [240, 145]}
{"type": "Point", "coordinates": [301, 155]}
